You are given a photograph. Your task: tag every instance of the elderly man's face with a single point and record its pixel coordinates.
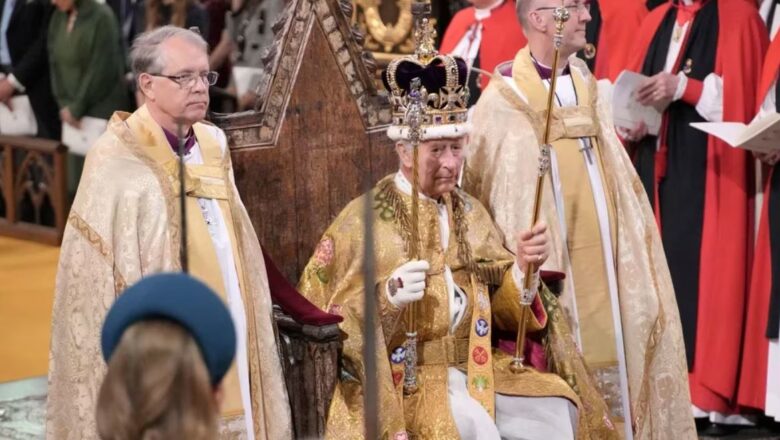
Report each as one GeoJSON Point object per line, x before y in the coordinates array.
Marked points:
{"type": "Point", "coordinates": [574, 29]}
{"type": "Point", "coordinates": [439, 164]}
{"type": "Point", "coordinates": [182, 93]}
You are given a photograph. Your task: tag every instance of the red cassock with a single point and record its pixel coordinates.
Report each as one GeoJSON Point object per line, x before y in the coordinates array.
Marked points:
{"type": "Point", "coordinates": [726, 237]}
{"type": "Point", "coordinates": [752, 381]}
{"type": "Point", "coordinates": [502, 36]}
{"type": "Point", "coordinates": [620, 20]}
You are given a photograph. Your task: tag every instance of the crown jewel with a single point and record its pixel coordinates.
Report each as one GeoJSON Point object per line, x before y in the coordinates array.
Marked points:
{"type": "Point", "coordinates": [427, 89]}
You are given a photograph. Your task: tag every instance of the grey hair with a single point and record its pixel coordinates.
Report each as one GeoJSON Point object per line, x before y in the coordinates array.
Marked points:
{"type": "Point", "coordinates": [145, 56]}
{"type": "Point", "coordinates": [522, 7]}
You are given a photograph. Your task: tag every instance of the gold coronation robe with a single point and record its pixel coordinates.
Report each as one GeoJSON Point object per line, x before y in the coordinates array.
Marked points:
{"type": "Point", "coordinates": [124, 225]}
{"type": "Point", "coordinates": [501, 171]}
{"type": "Point", "coordinates": [481, 266]}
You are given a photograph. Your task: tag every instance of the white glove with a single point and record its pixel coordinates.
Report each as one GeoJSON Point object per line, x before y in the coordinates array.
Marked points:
{"type": "Point", "coordinates": [407, 283]}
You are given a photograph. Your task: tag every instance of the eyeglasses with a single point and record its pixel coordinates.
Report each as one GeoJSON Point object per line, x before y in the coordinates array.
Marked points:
{"type": "Point", "coordinates": [575, 8]}
{"type": "Point", "coordinates": [188, 81]}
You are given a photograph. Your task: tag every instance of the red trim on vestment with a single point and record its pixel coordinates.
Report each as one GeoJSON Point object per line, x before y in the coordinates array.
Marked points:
{"type": "Point", "coordinates": [692, 92]}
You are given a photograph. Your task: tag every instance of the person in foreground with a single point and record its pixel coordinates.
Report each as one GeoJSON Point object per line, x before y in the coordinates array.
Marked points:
{"type": "Point", "coordinates": [165, 362]}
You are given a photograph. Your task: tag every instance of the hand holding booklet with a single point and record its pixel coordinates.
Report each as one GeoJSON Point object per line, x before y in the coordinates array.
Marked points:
{"type": "Point", "coordinates": [626, 110]}
{"type": "Point", "coordinates": [19, 120]}
{"type": "Point", "coordinates": [80, 140]}
{"type": "Point", "coordinates": [762, 135]}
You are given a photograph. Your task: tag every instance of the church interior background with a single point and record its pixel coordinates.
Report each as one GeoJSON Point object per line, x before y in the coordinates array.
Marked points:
{"type": "Point", "coordinates": [320, 64]}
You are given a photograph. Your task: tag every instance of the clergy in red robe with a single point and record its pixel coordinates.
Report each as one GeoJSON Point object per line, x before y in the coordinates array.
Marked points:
{"type": "Point", "coordinates": [610, 35]}
{"type": "Point", "coordinates": [485, 35]}
{"type": "Point", "coordinates": [759, 382]}
{"type": "Point", "coordinates": [704, 60]}
{"type": "Point", "coordinates": [771, 14]}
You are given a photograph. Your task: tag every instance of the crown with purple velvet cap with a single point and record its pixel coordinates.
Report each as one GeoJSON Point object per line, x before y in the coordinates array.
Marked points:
{"type": "Point", "coordinates": [428, 92]}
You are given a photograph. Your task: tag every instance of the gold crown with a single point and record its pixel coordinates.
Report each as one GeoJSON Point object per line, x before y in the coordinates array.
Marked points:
{"type": "Point", "coordinates": [448, 104]}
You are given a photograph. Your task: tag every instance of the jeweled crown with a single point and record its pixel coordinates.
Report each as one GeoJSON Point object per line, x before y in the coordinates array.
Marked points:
{"type": "Point", "coordinates": [430, 84]}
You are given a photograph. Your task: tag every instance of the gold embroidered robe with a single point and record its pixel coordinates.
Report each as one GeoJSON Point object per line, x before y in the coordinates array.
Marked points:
{"type": "Point", "coordinates": [501, 172]}
{"type": "Point", "coordinates": [124, 225]}
{"type": "Point", "coordinates": [333, 280]}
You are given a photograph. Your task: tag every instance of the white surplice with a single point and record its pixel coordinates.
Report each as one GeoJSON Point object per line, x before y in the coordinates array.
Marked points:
{"type": "Point", "coordinates": [217, 228]}
{"type": "Point", "coordinates": [566, 96]}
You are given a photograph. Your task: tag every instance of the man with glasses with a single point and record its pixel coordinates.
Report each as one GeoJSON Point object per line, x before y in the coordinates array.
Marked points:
{"type": "Point", "coordinates": [617, 292]}
{"type": "Point", "coordinates": [125, 224]}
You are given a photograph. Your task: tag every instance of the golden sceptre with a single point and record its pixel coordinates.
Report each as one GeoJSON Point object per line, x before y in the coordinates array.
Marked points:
{"type": "Point", "coordinates": [413, 118]}
{"type": "Point", "coordinates": [561, 16]}
{"type": "Point", "coordinates": [424, 52]}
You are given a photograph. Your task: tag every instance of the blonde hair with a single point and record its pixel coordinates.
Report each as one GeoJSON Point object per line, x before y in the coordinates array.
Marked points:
{"type": "Point", "coordinates": [157, 387]}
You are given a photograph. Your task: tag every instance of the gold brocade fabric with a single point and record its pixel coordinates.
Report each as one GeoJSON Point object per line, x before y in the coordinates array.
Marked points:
{"type": "Point", "coordinates": [124, 224]}
{"type": "Point", "coordinates": [333, 281]}
{"type": "Point", "coordinates": [584, 240]}
{"type": "Point", "coordinates": [501, 172]}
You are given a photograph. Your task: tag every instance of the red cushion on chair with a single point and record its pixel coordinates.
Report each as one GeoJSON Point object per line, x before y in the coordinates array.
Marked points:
{"type": "Point", "coordinates": [291, 301]}
{"type": "Point", "coordinates": [551, 276]}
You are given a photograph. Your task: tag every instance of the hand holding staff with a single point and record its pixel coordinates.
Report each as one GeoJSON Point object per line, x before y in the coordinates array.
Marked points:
{"type": "Point", "coordinates": [561, 15]}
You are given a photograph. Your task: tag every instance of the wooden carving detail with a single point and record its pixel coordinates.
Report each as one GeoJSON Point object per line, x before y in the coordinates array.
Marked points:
{"type": "Point", "coordinates": [33, 196]}
{"type": "Point", "coordinates": [260, 129]}
{"type": "Point", "coordinates": [310, 359]}
{"type": "Point", "coordinates": [385, 37]}
{"type": "Point", "coordinates": [318, 132]}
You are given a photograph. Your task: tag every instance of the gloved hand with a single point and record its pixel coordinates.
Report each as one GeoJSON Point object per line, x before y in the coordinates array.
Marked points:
{"type": "Point", "coordinates": [407, 283]}
{"type": "Point", "coordinates": [526, 296]}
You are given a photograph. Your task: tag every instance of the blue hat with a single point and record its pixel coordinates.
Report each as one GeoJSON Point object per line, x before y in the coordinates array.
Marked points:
{"type": "Point", "coordinates": [185, 301]}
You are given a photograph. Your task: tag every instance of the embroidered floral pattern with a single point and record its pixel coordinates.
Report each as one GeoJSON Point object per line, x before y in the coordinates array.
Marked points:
{"type": "Point", "coordinates": [323, 256]}
{"type": "Point", "coordinates": [480, 355]}
{"type": "Point", "coordinates": [335, 309]}
{"type": "Point", "coordinates": [480, 383]}
{"type": "Point", "coordinates": [383, 204]}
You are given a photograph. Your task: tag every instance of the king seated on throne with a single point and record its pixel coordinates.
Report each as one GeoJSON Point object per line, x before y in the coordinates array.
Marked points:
{"type": "Point", "coordinates": [465, 286]}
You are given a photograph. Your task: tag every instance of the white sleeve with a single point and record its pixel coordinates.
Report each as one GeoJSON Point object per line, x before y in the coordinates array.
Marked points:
{"type": "Point", "coordinates": [710, 105]}
{"type": "Point", "coordinates": [519, 278]}
{"type": "Point", "coordinates": [769, 105]}
{"type": "Point", "coordinates": [15, 82]}
{"type": "Point", "coordinates": [682, 83]}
